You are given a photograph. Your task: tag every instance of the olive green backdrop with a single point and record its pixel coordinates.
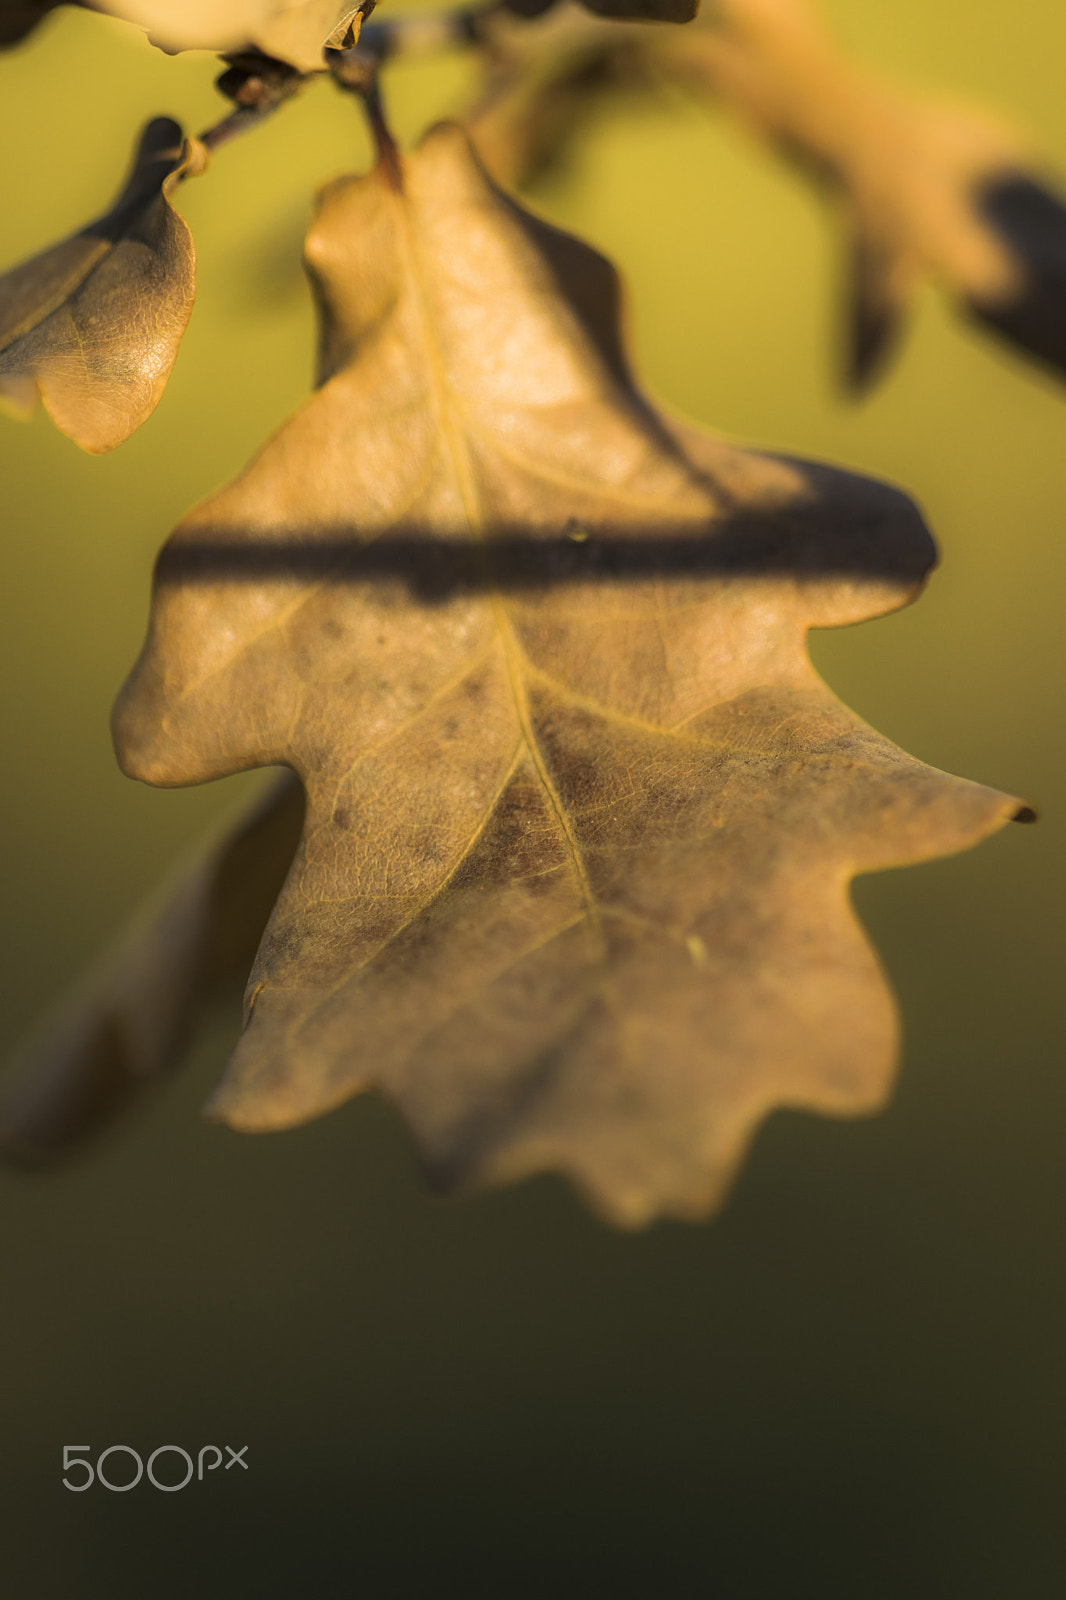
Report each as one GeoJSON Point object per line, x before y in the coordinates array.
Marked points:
{"type": "Point", "coordinates": [851, 1385]}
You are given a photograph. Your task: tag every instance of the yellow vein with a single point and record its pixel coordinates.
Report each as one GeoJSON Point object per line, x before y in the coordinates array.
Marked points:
{"type": "Point", "coordinates": [623, 718]}
{"type": "Point", "coordinates": [461, 465]}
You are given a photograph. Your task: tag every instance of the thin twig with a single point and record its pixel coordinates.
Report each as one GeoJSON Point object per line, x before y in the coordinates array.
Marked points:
{"type": "Point", "coordinates": [243, 120]}
{"type": "Point", "coordinates": [258, 86]}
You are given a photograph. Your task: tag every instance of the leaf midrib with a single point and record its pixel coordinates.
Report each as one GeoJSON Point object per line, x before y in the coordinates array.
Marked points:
{"type": "Point", "coordinates": [459, 456]}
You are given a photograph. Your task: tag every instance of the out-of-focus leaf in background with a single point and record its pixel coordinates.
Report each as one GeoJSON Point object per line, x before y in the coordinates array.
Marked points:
{"type": "Point", "coordinates": [134, 1013]}
{"type": "Point", "coordinates": [927, 187]}
{"type": "Point", "coordinates": [912, 174]}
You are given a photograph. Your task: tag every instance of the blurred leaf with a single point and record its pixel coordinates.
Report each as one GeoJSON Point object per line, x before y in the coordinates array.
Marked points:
{"type": "Point", "coordinates": [581, 816]}
{"type": "Point", "coordinates": [1029, 219]}
{"type": "Point", "coordinates": [130, 1020]}
{"type": "Point", "coordinates": [914, 176]}
{"type": "Point", "coordinates": [93, 324]}
{"type": "Point", "coordinates": [927, 189]}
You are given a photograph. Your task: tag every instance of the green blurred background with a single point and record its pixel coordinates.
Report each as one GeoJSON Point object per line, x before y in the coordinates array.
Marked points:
{"type": "Point", "coordinates": [849, 1385]}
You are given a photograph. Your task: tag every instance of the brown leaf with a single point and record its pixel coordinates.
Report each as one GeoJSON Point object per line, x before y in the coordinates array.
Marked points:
{"type": "Point", "coordinates": [130, 1020]}
{"type": "Point", "coordinates": [572, 890]}
{"type": "Point", "coordinates": [93, 325]}
{"type": "Point", "coordinates": [913, 173]}
{"type": "Point", "coordinates": [296, 31]}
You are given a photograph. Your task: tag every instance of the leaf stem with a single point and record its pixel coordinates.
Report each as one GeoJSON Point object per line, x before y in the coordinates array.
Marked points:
{"type": "Point", "coordinates": [356, 71]}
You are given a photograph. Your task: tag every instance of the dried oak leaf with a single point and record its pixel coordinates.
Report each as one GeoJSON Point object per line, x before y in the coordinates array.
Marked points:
{"type": "Point", "coordinates": [572, 889]}
{"type": "Point", "coordinates": [928, 188]}
{"type": "Point", "coordinates": [93, 325]}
